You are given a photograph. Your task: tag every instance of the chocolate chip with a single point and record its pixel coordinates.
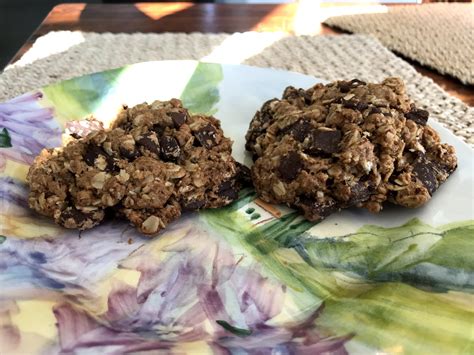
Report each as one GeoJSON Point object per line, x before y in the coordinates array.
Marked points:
{"type": "Point", "coordinates": [355, 105]}
{"type": "Point", "coordinates": [93, 152]}
{"type": "Point", "coordinates": [243, 175]}
{"type": "Point", "coordinates": [228, 190]}
{"type": "Point", "coordinates": [360, 192]}
{"type": "Point", "coordinates": [193, 205]}
{"type": "Point", "coordinates": [115, 211]}
{"type": "Point", "coordinates": [325, 141]}
{"type": "Point", "coordinates": [147, 143]}
{"type": "Point", "coordinates": [387, 114]}
{"type": "Point", "coordinates": [170, 150]}
{"type": "Point", "coordinates": [129, 154]}
{"type": "Point", "coordinates": [73, 213]}
{"type": "Point", "coordinates": [299, 130]}
{"type": "Point", "coordinates": [111, 167]}
{"type": "Point", "coordinates": [375, 110]}
{"type": "Point", "coordinates": [290, 166]}
{"type": "Point", "coordinates": [351, 104]}
{"type": "Point", "coordinates": [357, 82]}
{"type": "Point", "coordinates": [418, 116]}
{"type": "Point", "coordinates": [316, 209]}
{"type": "Point", "coordinates": [361, 106]}
{"type": "Point", "coordinates": [344, 86]}
{"type": "Point", "coordinates": [158, 129]}
{"type": "Point", "coordinates": [425, 171]}
{"type": "Point", "coordinates": [178, 118]}
{"type": "Point", "coordinates": [207, 136]}
{"type": "Point", "coordinates": [75, 135]}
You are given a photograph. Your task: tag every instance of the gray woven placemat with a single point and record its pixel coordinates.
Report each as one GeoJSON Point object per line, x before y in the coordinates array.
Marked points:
{"type": "Point", "coordinates": [437, 35]}
{"type": "Point", "coordinates": [62, 55]}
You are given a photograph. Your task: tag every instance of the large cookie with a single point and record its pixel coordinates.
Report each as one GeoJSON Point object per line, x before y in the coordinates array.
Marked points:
{"type": "Point", "coordinates": [345, 144]}
{"type": "Point", "coordinates": [154, 162]}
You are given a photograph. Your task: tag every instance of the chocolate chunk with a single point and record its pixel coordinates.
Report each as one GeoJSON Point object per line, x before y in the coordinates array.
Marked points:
{"type": "Point", "coordinates": [179, 118]}
{"type": "Point", "coordinates": [147, 143]}
{"type": "Point", "coordinates": [425, 171]}
{"type": "Point", "coordinates": [206, 136]}
{"type": "Point", "coordinates": [344, 86]}
{"type": "Point", "coordinates": [418, 116]}
{"type": "Point", "coordinates": [193, 205]}
{"type": "Point", "coordinates": [170, 150]}
{"type": "Point", "coordinates": [325, 141]}
{"type": "Point", "coordinates": [299, 130]}
{"type": "Point", "coordinates": [75, 135]}
{"type": "Point", "coordinates": [314, 208]}
{"type": "Point", "coordinates": [158, 129]}
{"type": "Point", "coordinates": [352, 104]}
{"type": "Point", "coordinates": [355, 105]}
{"type": "Point", "coordinates": [290, 166]}
{"type": "Point", "coordinates": [243, 175]}
{"type": "Point", "coordinates": [375, 110]}
{"type": "Point", "coordinates": [361, 106]}
{"type": "Point", "coordinates": [129, 154]}
{"type": "Point", "coordinates": [111, 167]}
{"type": "Point", "coordinates": [73, 213]}
{"type": "Point", "coordinates": [357, 82]}
{"type": "Point", "coordinates": [360, 192]}
{"type": "Point", "coordinates": [113, 212]}
{"type": "Point", "coordinates": [93, 152]}
{"type": "Point", "coordinates": [228, 190]}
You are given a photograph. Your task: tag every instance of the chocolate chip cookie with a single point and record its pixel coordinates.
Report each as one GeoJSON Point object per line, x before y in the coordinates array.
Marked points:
{"type": "Point", "coordinates": [155, 161]}
{"type": "Point", "coordinates": [347, 143]}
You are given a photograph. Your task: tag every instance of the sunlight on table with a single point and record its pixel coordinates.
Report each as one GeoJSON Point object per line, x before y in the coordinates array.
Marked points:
{"type": "Point", "coordinates": [53, 43]}
{"type": "Point", "coordinates": [305, 16]}
{"type": "Point", "coordinates": [155, 13]}
{"type": "Point", "coordinates": [240, 46]}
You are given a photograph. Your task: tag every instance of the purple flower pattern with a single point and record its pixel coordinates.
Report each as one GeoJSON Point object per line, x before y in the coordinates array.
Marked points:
{"type": "Point", "coordinates": [30, 126]}
{"type": "Point", "coordinates": [189, 279]}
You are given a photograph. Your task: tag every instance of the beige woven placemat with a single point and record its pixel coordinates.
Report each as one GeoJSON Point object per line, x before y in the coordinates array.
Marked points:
{"type": "Point", "coordinates": [62, 55]}
{"type": "Point", "coordinates": [439, 35]}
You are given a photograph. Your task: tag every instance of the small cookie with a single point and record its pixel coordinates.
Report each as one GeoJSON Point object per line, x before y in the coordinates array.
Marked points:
{"type": "Point", "coordinates": [155, 161]}
{"type": "Point", "coordinates": [344, 144]}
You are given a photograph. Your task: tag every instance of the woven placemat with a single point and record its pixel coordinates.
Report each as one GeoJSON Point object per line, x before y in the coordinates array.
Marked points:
{"type": "Point", "coordinates": [439, 35]}
{"type": "Point", "coordinates": [63, 55]}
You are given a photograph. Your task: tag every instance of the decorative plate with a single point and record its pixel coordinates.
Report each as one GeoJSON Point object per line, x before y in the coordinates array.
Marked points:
{"type": "Point", "coordinates": [232, 280]}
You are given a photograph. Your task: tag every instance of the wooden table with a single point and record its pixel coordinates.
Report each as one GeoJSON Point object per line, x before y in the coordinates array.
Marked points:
{"type": "Point", "coordinates": [212, 18]}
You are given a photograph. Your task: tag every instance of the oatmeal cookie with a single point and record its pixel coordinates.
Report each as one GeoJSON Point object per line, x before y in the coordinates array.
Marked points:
{"type": "Point", "coordinates": [155, 161]}
{"type": "Point", "coordinates": [347, 143]}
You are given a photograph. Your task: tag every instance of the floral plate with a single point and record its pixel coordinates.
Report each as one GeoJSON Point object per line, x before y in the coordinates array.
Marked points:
{"type": "Point", "coordinates": [232, 280]}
